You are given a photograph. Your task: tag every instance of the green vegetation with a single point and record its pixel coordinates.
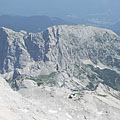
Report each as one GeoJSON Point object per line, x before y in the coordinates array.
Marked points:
{"type": "Point", "coordinates": [44, 79]}
{"type": "Point", "coordinates": [108, 47]}
{"type": "Point", "coordinates": [96, 75]}
{"type": "Point", "coordinates": [109, 77]}
{"type": "Point", "coordinates": [9, 81]}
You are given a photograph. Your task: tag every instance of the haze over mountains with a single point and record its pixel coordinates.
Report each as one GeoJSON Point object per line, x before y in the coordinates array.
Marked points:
{"type": "Point", "coordinates": [99, 13]}
{"type": "Point", "coordinates": [30, 24]}
{"type": "Point", "coordinates": [40, 23]}
{"type": "Point", "coordinates": [78, 8]}
{"type": "Point", "coordinates": [116, 27]}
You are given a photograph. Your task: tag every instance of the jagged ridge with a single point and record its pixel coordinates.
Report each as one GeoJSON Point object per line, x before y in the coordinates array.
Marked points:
{"type": "Point", "coordinates": [62, 49]}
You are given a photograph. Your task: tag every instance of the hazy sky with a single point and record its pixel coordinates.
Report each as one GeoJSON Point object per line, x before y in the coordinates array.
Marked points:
{"type": "Point", "coordinates": [57, 7]}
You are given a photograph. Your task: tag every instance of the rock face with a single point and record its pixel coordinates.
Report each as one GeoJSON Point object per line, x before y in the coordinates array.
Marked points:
{"type": "Point", "coordinates": [77, 67]}
{"type": "Point", "coordinates": [82, 52]}
{"type": "Point", "coordinates": [28, 84]}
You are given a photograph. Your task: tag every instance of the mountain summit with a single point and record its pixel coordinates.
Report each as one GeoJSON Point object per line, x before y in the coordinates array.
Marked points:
{"type": "Point", "coordinates": [62, 73]}
{"type": "Point", "coordinates": [62, 55]}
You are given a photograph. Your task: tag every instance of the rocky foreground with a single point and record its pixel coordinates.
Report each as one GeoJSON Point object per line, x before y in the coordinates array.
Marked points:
{"type": "Point", "coordinates": [51, 103]}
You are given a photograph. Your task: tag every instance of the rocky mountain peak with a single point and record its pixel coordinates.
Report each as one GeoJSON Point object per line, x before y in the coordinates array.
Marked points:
{"type": "Point", "coordinates": [75, 51]}
{"type": "Point", "coordinates": [77, 67]}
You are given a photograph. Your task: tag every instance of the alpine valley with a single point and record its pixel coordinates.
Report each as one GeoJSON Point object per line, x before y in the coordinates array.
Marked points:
{"type": "Point", "coordinates": [62, 73]}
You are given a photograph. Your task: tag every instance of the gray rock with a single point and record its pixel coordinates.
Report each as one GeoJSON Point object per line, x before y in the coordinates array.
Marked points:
{"type": "Point", "coordinates": [53, 103]}
{"type": "Point", "coordinates": [28, 84]}
{"type": "Point", "coordinates": [65, 60]}
{"type": "Point", "coordinates": [57, 49]}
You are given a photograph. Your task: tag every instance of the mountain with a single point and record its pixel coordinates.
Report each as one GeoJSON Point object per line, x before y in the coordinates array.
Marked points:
{"type": "Point", "coordinates": [99, 19]}
{"type": "Point", "coordinates": [64, 72]}
{"type": "Point", "coordinates": [64, 56]}
{"type": "Point", "coordinates": [30, 24]}
{"type": "Point", "coordinates": [107, 19]}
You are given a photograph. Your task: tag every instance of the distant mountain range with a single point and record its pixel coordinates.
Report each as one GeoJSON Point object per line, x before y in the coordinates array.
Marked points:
{"type": "Point", "coordinates": [39, 23]}
{"type": "Point", "coordinates": [30, 24]}
{"type": "Point", "coordinates": [116, 28]}
{"type": "Point", "coordinates": [106, 19]}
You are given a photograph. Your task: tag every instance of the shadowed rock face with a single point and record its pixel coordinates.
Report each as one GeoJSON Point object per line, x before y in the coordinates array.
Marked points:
{"type": "Point", "coordinates": [65, 50]}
